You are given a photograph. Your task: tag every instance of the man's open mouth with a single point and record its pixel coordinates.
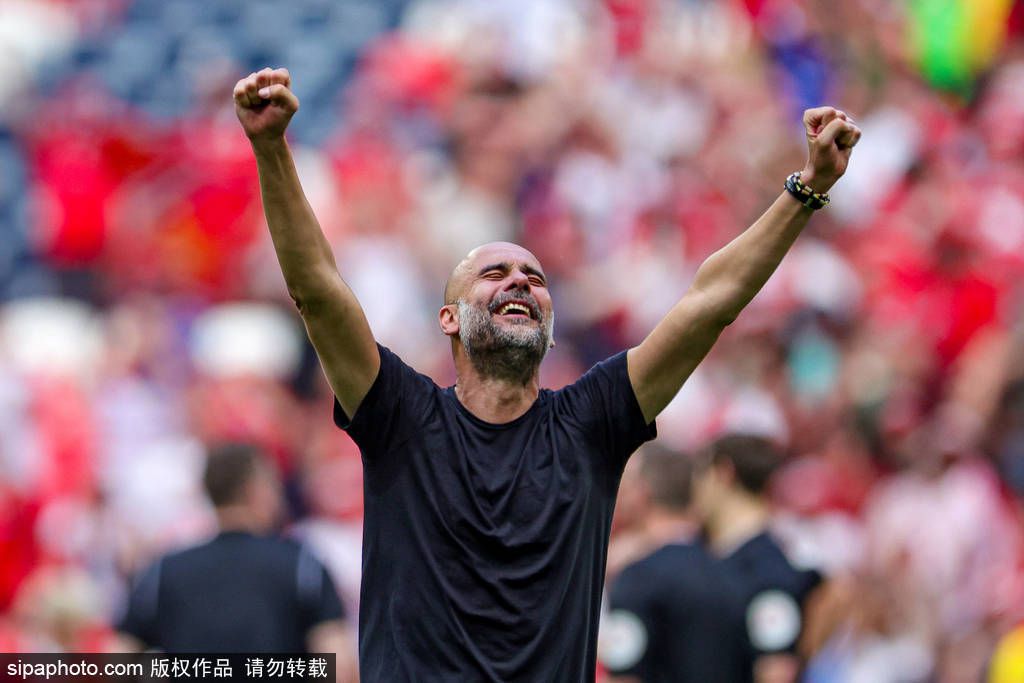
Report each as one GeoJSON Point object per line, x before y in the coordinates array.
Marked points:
{"type": "Point", "coordinates": [516, 309]}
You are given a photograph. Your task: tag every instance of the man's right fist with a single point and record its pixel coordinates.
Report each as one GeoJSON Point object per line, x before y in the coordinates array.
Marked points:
{"type": "Point", "coordinates": [265, 104]}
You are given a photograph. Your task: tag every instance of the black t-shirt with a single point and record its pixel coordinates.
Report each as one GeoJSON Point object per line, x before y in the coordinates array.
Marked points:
{"type": "Point", "coordinates": [675, 618]}
{"type": "Point", "coordinates": [773, 592]}
{"type": "Point", "coordinates": [484, 545]}
{"type": "Point", "coordinates": [236, 593]}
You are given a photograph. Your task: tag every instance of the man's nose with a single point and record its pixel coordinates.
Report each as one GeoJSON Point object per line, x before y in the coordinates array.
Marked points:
{"type": "Point", "coordinates": [517, 279]}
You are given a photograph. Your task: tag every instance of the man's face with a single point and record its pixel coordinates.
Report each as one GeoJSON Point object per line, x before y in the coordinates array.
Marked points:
{"type": "Point", "coordinates": [504, 307]}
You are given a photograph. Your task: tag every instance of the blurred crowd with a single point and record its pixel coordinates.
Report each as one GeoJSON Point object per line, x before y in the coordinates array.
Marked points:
{"type": "Point", "coordinates": [622, 141]}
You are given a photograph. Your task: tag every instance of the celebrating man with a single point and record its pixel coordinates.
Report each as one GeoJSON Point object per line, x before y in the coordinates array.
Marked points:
{"type": "Point", "coordinates": [489, 503]}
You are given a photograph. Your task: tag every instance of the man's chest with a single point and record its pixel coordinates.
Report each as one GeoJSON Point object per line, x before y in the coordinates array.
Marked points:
{"type": "Point", "coordinates": [511, 482]}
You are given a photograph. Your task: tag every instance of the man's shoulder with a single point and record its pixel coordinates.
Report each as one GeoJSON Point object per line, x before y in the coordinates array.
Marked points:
{"type": "Point", "coordinates": [397, 384]}
{"type": "Point", "coordinates": [601, 382]}
{"type": "Point", "coordinates": [763, 551]}
{"type": "Point", "coordinates": [187, 553]}
{"type": "Point", "coordinates": [395, 363]}
{"type": "Point", "coordinates": [611, 368]}
{"type": "Point", "coordinates": [761, 547]}
{"type": "Point", "coordinates": [763, 563]}
{"type": "Point", "coordinates": [672, 563]}
{"type": "Point", "coordinates": [234, 545]}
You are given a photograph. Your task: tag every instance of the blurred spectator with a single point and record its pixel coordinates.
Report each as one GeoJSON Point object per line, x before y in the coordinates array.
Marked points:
{"type": "Point", "coordinates": [243, 591]}
{"type": "Point", "coordinates": [731, 495]}
{"type": "Point", "coordinates": [673, 615]}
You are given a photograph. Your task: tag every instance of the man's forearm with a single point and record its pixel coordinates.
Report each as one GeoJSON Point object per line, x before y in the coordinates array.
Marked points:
{"type": "Point", "coordinates": [302, 250]}
{"type": "Point", "coordinates": [734, 274]}
{"type": "Point", "coordinates": [334, 320]}
{"type": "Point", "coordinates": [727, 281]}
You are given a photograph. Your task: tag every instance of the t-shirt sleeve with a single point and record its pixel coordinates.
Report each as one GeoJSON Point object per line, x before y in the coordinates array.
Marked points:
{"type": "Point", "coordinates": [810, 580]}
{"type": "Point", "coordinates": [625, 643]}
{"type": "Point", "coordinates": [140, 616]}
{"type": "Point", "coordinates": [317, 596]}
{"type": "Point", "coordinates": [394, 406]}
{"type": "Point", "coordinates": [604, 405]}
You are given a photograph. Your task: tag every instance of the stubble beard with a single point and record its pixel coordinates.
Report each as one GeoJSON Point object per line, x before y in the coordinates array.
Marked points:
{"type": "Point", "coordinates": [510, 353]}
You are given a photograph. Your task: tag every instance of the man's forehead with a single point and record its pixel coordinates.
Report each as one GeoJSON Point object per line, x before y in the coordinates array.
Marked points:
{"type": "Point", "coordinates": [491, 254]}
{"type": "Point", "coordinates": [501, 252]}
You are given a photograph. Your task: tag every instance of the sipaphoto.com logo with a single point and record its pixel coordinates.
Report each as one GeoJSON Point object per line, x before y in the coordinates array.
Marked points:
{"type": "Point", "coordinates": [72, 669]}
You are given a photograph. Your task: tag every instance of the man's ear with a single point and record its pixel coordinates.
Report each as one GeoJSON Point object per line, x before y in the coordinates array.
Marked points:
{"type": "Point", "coordinates": [448, 318]}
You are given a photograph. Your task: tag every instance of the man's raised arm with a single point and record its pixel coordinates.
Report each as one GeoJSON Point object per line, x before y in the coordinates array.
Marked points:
{"type": "Point", "coordinates": [334, 320]}
{"type": "Point", "coordinates": [729, 278]}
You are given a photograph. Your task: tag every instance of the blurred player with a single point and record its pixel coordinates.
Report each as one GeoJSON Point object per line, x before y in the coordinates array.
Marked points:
{"type": "Point", "coordinates": [246, 590]}
{"type": "Point", "coordinates": [673, 615]}
{"type": "Point", "coordinates": [730, 495]}
{"type": "Point", "coordinates": [489, 503]}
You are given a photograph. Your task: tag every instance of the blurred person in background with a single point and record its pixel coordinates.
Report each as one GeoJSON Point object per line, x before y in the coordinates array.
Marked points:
{"type": "Point", "coordinates": [629, 540]}
{"type": "Point", "coordinates": [485, 499]}
{"type": "Point", "coordinates": [246, 590]}
{"type": "Point", "coordinates": [730, 492]}
{"type": "Point", "coordinates": [673, 615]}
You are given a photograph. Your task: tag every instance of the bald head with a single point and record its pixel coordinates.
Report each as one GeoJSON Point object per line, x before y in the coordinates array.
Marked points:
{"type": "Point", "coordinates": [498, 312]}
{"type": "Point", "coordinates": [456, 282]}
{"type": "Point", "coordinates": [485, 255]}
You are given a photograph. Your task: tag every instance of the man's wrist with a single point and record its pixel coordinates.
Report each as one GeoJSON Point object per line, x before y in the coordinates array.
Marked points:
{"type": "Point", "coordinates": [819, 184]}
{"type": "Point", "coordinates": [269, 147]}
{"type": "Point", "coordinates": [805, 194]}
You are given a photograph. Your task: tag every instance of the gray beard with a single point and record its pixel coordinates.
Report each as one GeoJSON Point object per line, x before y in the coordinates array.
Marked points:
{"type": "Point", "coordinates": [506, 353]}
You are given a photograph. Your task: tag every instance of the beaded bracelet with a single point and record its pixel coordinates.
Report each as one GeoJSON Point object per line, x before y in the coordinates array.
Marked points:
{"type": "Point", "coordinates": [804, 194]}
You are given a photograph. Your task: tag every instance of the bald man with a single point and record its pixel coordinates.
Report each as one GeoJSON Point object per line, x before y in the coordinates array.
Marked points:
{"type": "Point", "coordinates": [488, 504]}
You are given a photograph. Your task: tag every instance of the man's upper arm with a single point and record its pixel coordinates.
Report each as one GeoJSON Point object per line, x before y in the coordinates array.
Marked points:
{"type": "Point", "coordinates": [660, 364]}
{"type": "Point", "coordinates": [338, 329]}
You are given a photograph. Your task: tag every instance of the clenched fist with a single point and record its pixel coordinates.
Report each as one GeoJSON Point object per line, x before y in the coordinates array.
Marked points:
{"type": "Point", "coordinates": [265, 103]}
{"type": "Point", "coordinates": [831, 135]}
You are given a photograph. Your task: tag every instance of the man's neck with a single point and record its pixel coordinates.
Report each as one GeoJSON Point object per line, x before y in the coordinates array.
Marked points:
{"type": "Point", "coordinates": [494, 400]}
{"type": "Point", "coordinates": [238, 518]}
{"type": "Point", "coordinates": [668, 526]}
{"type": "Point", "coordinates": [742, 518]}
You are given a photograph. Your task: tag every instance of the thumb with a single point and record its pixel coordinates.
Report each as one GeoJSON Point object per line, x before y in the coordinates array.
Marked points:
{"type": "Point", "coordinates": [280, 95]}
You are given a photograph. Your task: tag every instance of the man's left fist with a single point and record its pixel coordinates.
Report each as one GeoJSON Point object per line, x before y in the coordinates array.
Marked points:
{"type": "Point", "coordinates": [831, 136]}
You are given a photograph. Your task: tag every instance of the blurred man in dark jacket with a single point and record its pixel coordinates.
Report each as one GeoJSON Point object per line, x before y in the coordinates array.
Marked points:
{"type": "Point", "coordinates": [246, 590]}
